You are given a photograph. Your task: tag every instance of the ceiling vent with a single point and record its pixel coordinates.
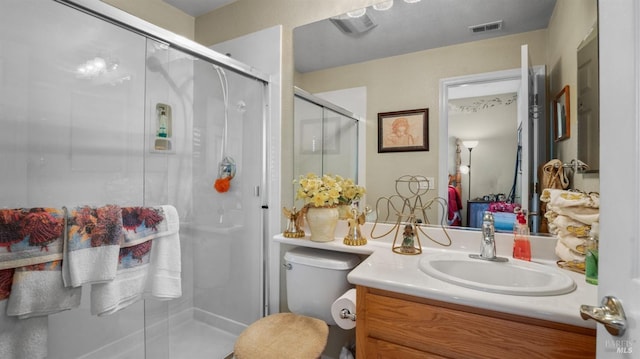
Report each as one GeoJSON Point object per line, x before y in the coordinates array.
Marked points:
{"type": "Point", "coordinates": [353, 25]}
{"type": "Point", "coordinates": [490, 26]}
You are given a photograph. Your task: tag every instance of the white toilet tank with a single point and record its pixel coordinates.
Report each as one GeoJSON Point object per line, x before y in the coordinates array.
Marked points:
{"type": "Point", "coordinates": [315, 279]}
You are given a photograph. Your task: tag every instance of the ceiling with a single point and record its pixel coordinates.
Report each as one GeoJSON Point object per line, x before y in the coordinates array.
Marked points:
{"type": "Point", "coordinates": [196, 8]}
{"type": "Point", "coordinates": [404, 28]}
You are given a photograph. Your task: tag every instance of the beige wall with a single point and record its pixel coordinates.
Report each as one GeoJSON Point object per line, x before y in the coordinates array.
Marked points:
{"type": "Point", "coordinates": [570, 23]}
{"type": "Point", "coordinates": [158, 13]}
{"type": "Point", "coordinates": [413, 81]}
{"type": "Point", "coordinates": [412, 85]}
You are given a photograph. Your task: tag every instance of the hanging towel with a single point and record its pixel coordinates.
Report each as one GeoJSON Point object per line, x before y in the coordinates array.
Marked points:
{"type": "Point", "coordinates": [165, 268]}
{"type": "Point", "coordinates": [92, 245]}
{"type": "Point", "coordinates": [39, 290]}
{"type": "Point", "coordinates": [30, 236]}
{"type": "Point", "coordinates": [143, 223]}
{"type": "Point", "coordinates": [20, 338]}
{"type": "Point", "coordinates": [129, 283]}
{"type": "Point", "coordinates": [147, 263]}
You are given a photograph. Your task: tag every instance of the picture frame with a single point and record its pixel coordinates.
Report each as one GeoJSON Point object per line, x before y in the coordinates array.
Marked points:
{"type": "Point", "coordinates": [561, 115]}
{"type": "Point", "coordinates": [403, 131]}
{"type": "Point", "coordinates": [312, 139]}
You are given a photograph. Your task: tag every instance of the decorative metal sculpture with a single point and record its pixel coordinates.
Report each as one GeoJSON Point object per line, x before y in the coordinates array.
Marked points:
{"type": "Point", "coordinates": [355, 220]}
{"type": "Point", "coordinates": [294, 223]}
{"type": "Point", "coordinates": [410, 210]}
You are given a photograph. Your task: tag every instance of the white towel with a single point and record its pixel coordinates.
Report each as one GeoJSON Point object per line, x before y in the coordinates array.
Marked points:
{"type": "Point", "coordinates": [566, 254]}
{"type": "Point", "coordinates": [39, 290]}
{"type": "Point", "coordinates": [563, 225]}
{"type": "Point", "coordinates": [92, 245]}
{"type": "Point", "coordinates": [165, 269]}
{"type": "Point", "coordinates": [20, 338]}
{"type": "Point", "coordinates": [129, 284]}
{"type": "Point", "coordinates": [584, 215]}
{"type": "Point", "coordinates": [562, 198]}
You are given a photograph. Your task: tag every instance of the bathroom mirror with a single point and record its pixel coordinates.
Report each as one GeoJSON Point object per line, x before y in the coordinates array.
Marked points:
{"type": "Point", "coordinates": [320, 69]}
{"type": "Point", "coordinates": [561, 115]}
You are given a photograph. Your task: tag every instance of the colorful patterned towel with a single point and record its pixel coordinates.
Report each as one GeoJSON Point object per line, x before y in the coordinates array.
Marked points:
{"type": "Point", "coordinates": [92, 245]}
{"type": "Point", "coordinates": [30, 236]}
{"type": "Point", "coordinates": [142, 224]}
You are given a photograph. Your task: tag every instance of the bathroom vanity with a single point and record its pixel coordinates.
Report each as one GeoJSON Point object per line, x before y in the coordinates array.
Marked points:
{"type": "Point", "coordinates": [404, 312]}
{"type": "Point", "coordinates": [391, 324]}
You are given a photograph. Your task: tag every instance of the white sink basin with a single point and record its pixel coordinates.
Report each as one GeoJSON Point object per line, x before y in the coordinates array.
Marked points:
{"type": "Point", "coordinates": [514, 277]}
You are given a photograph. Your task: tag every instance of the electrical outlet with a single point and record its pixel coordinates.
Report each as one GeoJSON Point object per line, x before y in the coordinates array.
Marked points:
{"type": "Point", "coordinates": [430, 183]}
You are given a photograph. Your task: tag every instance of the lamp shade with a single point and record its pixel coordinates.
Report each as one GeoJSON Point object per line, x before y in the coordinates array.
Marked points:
{"type": "Point", "coordinates": [470, 143]}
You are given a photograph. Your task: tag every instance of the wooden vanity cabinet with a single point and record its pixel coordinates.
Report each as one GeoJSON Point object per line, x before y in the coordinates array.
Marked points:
{"type": "Point", "coordinates": [393, 325]}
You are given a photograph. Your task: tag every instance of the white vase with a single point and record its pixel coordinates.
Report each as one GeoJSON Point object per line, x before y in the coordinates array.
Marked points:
{"type": "Point", "coordinates": [322, 223]}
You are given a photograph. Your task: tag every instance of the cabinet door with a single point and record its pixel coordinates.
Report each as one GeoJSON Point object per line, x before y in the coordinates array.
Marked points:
{"type": "Point", "coordinates": [381, 349]}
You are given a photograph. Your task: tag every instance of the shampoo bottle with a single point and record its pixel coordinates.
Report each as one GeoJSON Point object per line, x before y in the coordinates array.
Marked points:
{"type": "Point", "coordinates": [521, 244]}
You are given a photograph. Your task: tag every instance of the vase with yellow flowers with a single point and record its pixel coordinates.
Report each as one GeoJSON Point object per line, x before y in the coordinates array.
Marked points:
{"type": "Point", "coordinates": [322, 195]}
{"type": "Point", "coordinates": [350, 193]}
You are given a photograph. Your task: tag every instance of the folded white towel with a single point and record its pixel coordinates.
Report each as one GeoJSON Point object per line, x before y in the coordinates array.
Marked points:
{"type": "Point", "coordinates": [165, 269]}
{"type": "Point", "coordinates": [575, 244]}
{"type": "Point", "coordinates": [92, 245]}
{"type": "Point", "coordinates": [586, 215]}
{"type": "Point", "coordinates": [20, 338]}
{"type": "Point", "coordinates": [563, 198]}
{"type": "Point", "coordinates": [563, 226]}
{"type": "Point", "coordinates": [566, 254]}
{"type": "Point", "coordinates": [38, 290]}
{"type": "Point", "coordinates": [129, 284]}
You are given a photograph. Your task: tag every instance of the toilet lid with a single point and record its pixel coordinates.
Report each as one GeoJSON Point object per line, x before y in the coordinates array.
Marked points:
{"type": "Point", "coordinates": [282, 335]}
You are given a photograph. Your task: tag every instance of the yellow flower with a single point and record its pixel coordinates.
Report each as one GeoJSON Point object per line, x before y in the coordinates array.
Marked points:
{"type": "Point", "coordinates": [327, 190]}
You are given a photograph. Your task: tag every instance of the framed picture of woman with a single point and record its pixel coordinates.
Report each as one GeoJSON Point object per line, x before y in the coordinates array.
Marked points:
{"type": "Point", "coordinates": [402, 131]}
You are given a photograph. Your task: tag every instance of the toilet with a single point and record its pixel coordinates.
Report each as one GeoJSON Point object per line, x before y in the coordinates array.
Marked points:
{"type": "Point", "coordinates": [315, 278]}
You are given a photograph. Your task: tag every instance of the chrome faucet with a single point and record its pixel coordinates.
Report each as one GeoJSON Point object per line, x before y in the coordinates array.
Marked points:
{"type": "Point", "coordinates": [488, 244]}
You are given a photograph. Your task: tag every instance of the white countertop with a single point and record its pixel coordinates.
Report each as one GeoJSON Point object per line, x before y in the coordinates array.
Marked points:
{"type": "Point", "coordinates": [384, 269]}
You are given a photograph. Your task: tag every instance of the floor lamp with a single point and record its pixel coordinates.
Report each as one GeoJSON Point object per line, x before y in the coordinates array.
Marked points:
{"type": "Point", "coordinates": [469, 145]}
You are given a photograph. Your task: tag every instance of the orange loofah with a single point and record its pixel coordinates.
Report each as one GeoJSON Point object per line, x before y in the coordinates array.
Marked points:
{"type": "Point", "coordinates": [222, 184]}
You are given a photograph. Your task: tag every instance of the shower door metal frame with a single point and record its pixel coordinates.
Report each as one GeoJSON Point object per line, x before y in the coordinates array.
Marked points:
{"type": "Point", "coordinates": [121, 18]}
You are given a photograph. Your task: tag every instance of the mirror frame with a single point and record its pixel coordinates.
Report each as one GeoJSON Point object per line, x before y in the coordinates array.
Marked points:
{"type": "Point", "coordinates": [561, 115]}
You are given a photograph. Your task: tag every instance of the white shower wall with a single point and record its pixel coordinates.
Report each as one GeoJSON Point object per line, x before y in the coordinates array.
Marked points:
{"type": "Point", "coordinates": [68, 140]}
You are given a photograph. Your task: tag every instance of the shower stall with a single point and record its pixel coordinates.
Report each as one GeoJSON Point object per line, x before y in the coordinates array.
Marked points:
{"type": "Point", "coordinates": [98, 107]}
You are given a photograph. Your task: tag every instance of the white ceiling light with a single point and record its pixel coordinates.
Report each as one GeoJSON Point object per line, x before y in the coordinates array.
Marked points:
{"type": "Point", "coordinates": [385, 5]}
{"type": "Point", "coordinates": [357, 13]}
{"type": "Point", "coordinates": [411, 1]}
